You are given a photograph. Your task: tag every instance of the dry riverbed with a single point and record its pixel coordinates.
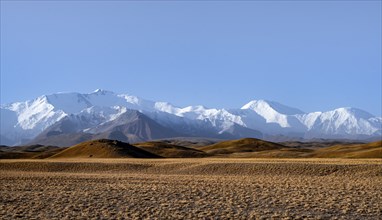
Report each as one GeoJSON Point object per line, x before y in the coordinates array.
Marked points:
{"type": "Point", "coordinates": [191, 189]}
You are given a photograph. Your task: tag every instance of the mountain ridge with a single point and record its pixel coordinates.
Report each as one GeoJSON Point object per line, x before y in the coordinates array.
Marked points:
{"type": "Point", "coordinates": [24, 121]}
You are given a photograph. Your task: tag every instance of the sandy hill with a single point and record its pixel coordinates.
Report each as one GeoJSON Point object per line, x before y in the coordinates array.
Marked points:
{"type": "Point", "coordinates": [240, 146]}
{"type": "Point", "coordinates": [166, 149]}
{"type": "Point", "coordinates": [104, 148]}
{"type": "Point", "coordinates": [368, 150]}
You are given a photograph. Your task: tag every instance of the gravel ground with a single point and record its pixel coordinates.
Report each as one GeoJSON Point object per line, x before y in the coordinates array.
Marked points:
{"type": "Point", "coordinates": [191, 189]}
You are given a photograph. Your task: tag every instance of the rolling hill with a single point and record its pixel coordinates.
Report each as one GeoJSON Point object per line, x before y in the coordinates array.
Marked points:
{"type": "Point", "coordinates": [368, 150]}
{"type": "Point", "coordinates": [104, 148]}
{"type": "Point", "coordinates": [240, 146]}
{"type": "Point", "coordinates": [168, 150]}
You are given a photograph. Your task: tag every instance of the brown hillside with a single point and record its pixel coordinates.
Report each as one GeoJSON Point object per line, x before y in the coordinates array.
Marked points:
{"type": "Point", "coordinates": [104, 149]}
{"type": "Point", "coordinates": [166, 149]}
{"type": "Point", "coordinates": [240, 146]}
{"type": "Point", "coordinates": [369, 150]}
{"type": "Point", "coordinates": [28, 152]}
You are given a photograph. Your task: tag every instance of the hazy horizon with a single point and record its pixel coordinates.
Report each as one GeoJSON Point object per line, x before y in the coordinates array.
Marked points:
{"type": "Point", "coordinates": [315, 56]}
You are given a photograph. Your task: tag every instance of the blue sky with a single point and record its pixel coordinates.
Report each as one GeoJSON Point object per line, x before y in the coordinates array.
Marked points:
{"type": "Point", "coordinates": [316, 55]}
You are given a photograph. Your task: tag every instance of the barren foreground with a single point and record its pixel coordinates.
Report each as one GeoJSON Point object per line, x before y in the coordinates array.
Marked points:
{"type": "Point", "coordinates": [191, 188]}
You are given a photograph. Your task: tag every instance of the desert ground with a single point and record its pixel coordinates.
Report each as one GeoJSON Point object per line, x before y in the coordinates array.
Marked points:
{"type": "Point", "coordinates": [197, 188]}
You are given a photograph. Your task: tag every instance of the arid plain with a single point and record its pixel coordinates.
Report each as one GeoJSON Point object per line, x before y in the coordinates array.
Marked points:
{"type": "Point", "coordinates": [195, 188]}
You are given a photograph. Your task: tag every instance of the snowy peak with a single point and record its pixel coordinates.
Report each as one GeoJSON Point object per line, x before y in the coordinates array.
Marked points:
{"type": "Point", "coordinates": [341, 122]}
{"type": "Point", "coordinates": [264, 105]}
{"type": "Point", "coordinates": [73, 103]}
{"type": "Point", "coordinates": [69, 103]}
{"type": "Point", "coordinates": [101, 92]}
{"type": "Point", "coordinates": [355, 112]}
{"type": "Point", "coordinates": [273, 112]}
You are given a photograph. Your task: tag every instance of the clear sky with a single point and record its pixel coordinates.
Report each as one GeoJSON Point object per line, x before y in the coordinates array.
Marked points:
{"type": "Point", "coordinates": [313, 55]}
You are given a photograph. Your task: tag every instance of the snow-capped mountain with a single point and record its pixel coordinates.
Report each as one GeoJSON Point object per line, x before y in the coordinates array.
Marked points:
{"type": "Point", "coordinates": [23, 121]}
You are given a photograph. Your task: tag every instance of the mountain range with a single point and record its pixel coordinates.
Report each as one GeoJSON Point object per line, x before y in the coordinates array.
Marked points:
{"type": "Point", "coordinates": [64, 119]}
